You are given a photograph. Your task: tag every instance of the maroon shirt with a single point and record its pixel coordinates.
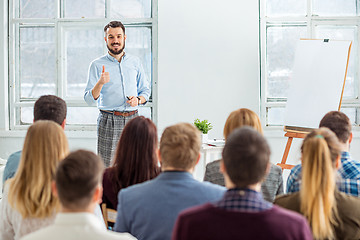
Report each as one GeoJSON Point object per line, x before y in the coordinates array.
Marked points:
{"type": "Point", "coordinates": [209, 222]}
{"type": "Point", "coordinates": [109, 195]}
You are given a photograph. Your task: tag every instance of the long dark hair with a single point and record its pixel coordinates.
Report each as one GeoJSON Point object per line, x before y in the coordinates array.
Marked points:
{"type": "Point", "coordinates": [135, 160]}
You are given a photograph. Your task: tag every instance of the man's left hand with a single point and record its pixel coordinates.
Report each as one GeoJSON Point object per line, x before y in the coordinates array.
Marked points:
{"type": "Point", "coordinates": [133, 101]}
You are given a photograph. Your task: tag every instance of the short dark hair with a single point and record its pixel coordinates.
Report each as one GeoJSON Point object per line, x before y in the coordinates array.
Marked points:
{"type": "Point", "coordinates": [77, 177]}
{"type": "Point", "coordinates": [246, 156]}
{"type": "Point", "coordinates": [339, 123]}
{"type": "Point", "coordinates": [50, 107]}
{"type": "Point", "coordinates": [114, 24]}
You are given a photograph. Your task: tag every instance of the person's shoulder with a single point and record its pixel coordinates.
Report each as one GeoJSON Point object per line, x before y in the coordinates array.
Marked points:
{"type": "Point", "coordinates": [99, 60]}
{"type": "Point", "coordinates": [116, 236]}
{"type": "Point", "coordinates": [286, 200]}
{"type": "Point", "coordinates": [346, 201]}
{"type": "Point", "coordinates": [275, 169]}
{"type": "Point", "coordinates": [139, 188]}
{"type": "Point", "coordinates": [211, 186]}
{"type": "Point", "coordinates": [196, 210]}
{"type": "Point", "coordinates": [213, 165]}
{"type": "Point", "coordinates": [287, 215]}
{"type": "Point", "coordinates": [43, 233]}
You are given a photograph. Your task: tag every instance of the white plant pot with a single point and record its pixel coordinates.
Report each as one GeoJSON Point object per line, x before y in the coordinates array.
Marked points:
{"type": "Point", "coordinates": [204, 138]}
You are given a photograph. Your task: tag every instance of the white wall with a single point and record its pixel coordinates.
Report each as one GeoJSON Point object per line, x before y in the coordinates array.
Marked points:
{"type": "Point", "coordinates": [208, 60]}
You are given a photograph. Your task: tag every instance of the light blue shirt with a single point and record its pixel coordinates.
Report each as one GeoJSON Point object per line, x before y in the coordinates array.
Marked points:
{"type": "Point", "coordinates": [127, 78]}
{"type": "Point", "coordinates": [11, 166]}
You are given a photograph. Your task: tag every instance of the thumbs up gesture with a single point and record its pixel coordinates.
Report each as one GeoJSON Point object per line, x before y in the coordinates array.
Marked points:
{"type": "Point", "coordinates": [105, 77]}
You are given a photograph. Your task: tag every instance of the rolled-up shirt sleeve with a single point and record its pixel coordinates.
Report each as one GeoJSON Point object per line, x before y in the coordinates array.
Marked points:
{"type": "Point", "coordinates": [93, 77]}
{"type": "Point", "coordinates": [143, 83]}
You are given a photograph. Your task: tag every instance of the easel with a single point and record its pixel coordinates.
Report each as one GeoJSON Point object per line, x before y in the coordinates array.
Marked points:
{"type": "Point", "coordinates": [291, 135]}
{"type": "Point", "coordinates": [302, 132]}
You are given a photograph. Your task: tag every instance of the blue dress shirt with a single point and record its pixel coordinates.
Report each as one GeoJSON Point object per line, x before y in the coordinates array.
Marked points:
{"type": "Point", "coordinates": [127, 78]}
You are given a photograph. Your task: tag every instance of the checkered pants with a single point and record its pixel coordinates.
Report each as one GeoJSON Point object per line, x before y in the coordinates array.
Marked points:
{"type": "Point", "coordinates": [109, 130]}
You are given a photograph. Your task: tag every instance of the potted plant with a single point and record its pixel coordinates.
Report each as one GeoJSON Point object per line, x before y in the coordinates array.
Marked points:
{"type": "Point", "coordinates": [204, 126]}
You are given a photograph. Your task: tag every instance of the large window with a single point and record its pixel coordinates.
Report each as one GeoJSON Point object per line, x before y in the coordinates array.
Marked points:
{"type": "Point", "coordinates": [52, 43]}
{"type": "Point", "coordinates": [282, 23]}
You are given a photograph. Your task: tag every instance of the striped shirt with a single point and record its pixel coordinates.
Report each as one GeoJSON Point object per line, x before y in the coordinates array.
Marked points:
{"type": "Point", "coordinates": [348, 179]}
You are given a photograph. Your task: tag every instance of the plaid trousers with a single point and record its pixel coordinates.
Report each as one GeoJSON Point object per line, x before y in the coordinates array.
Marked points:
{"type": "Point", "coordinates": [109, 129]}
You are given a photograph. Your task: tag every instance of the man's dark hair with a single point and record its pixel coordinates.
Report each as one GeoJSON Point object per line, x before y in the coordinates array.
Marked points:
{"type": "Point", "coordinates": [246, 156]}
{"type": "Point", "coordinates": [50, 107]}
{"type": "Point", "coordinates": [77, 177]}
{"type": "Point", "coordinates": [114, 24]}
{"type": "Point", "coordinates": [339, 123]}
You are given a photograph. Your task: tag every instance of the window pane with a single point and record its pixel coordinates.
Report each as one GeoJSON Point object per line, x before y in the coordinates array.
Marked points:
{"type": "Point", "coordinates": [37, 9]}
{"type": "Point", "coordinates": [334, 7]}
{"type": "Point", "coordinates": [352, 114]}
{"type": "Point", "coordinates": [280, 54]}
{"type": "Point", "coordinates": [84, 8]}
{"type": "Point", "coordinates": [344, 33]}
{"type": "Point", "coordinates": [285, 7]}
{"type": "Point", "coordinates": [275, 116]}
{"type": "Point", "coordinates": [26, 115]}
{"type": "Point", "coordinates": [82, 47]}
{"type": "Point", "coordinates": [138, 43]}
{"type": "Point", "coordinates": [82, 115]}
{"type": "Point", "coordinates": [37, 61]}
{"type": "Point", "coordinates": [130, 8]}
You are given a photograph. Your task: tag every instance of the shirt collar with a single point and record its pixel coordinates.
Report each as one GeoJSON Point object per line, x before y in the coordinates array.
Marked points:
{"type": "Point", "coordinates": [111, 58]}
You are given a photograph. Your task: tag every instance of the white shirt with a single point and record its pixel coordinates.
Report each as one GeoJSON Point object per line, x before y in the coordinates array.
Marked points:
{"type": "Point", "coordinates": [75, 226]}
{"type": "Point", "coordinates": [13, 225]}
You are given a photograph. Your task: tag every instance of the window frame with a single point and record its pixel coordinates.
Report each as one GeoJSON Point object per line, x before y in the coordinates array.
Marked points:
{"type": "Point", "coordinates": [59, 23]}
{"type": "Point", "coordinates": [310, 22]}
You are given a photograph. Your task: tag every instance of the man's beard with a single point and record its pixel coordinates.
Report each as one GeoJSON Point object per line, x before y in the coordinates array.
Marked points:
{"type": "Point", "coordinates": [116, 52]}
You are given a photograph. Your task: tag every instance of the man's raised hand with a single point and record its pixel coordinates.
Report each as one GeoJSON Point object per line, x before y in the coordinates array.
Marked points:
{"type": "Point", "coordinates": [105, 77]}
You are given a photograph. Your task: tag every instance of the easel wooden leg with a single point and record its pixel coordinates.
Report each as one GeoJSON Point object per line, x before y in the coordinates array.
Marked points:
{"type": "Point", "coordinates": [283, 164]}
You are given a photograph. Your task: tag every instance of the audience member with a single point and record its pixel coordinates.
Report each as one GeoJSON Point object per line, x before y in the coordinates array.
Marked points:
{"type": "Point", "coordinates": [148, 210]}
{"type": "Point", "coordinates": [47, 107]}
{"type": "Point", "coordinates": [135, 159]}
{"type": "Point", "coordinates": [273, 184]}
{"type": "Point", "coordinates": [332, 214]}
{"type": "Point", "coordinates": [242, 213]}
{"type": "Point", "coordinates": [28, 203]}
{"type": "Point", "coordinates": [78, 187]}
{"type": "Point", "coordinates": [349, 171]}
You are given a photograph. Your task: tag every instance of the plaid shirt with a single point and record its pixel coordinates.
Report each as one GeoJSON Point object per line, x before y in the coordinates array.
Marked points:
{"type": "Point", "coordinates": [243, 200]}
{"type": "Point", "coordinates": [348, 180]}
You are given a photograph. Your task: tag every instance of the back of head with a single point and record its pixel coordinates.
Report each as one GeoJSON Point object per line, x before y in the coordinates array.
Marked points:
{"type": "Point", "coordinates": [180, 146]}
{"type": "Point", "coordinates": [246, 156]}
{"type": "Point", "coordinates": [50, 107]}
{"type": "Point", "coordinates": [76, 179]}
{"type": "Point", "coordinates": [44, 146]}
{"type": "Point", "coordinates": [135, 160]}
{"type": "Point", "coordinates": [242, 117]}
{"type": "Point", "coordinates": [320, 150]}
{"type": "Point", "coordinates": [339, 123]}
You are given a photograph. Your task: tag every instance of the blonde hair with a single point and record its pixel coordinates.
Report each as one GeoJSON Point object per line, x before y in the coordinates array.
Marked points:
{"type": "Point", "coordinates": [30, 190]}
{"type": "Point", "coordinates": [180, 146]}
{"type": "Point", "coordinates": [320, 151]}
{"type": "Point", "coordinates": [242, 117]}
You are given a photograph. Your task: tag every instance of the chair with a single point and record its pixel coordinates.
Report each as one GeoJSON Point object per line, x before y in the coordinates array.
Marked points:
{"type": "Point", "coordinates": [109, 215]}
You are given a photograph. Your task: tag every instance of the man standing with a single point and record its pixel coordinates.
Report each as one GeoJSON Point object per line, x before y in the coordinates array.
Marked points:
{"type": "Point", "coordinates": [78, 186]}
{"type": "Point", "coordinates": [149, 210]}
{"type": "Point", "coordinates": [118, 84]}
{"type": "Point", "coordinates": [242, 213]}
